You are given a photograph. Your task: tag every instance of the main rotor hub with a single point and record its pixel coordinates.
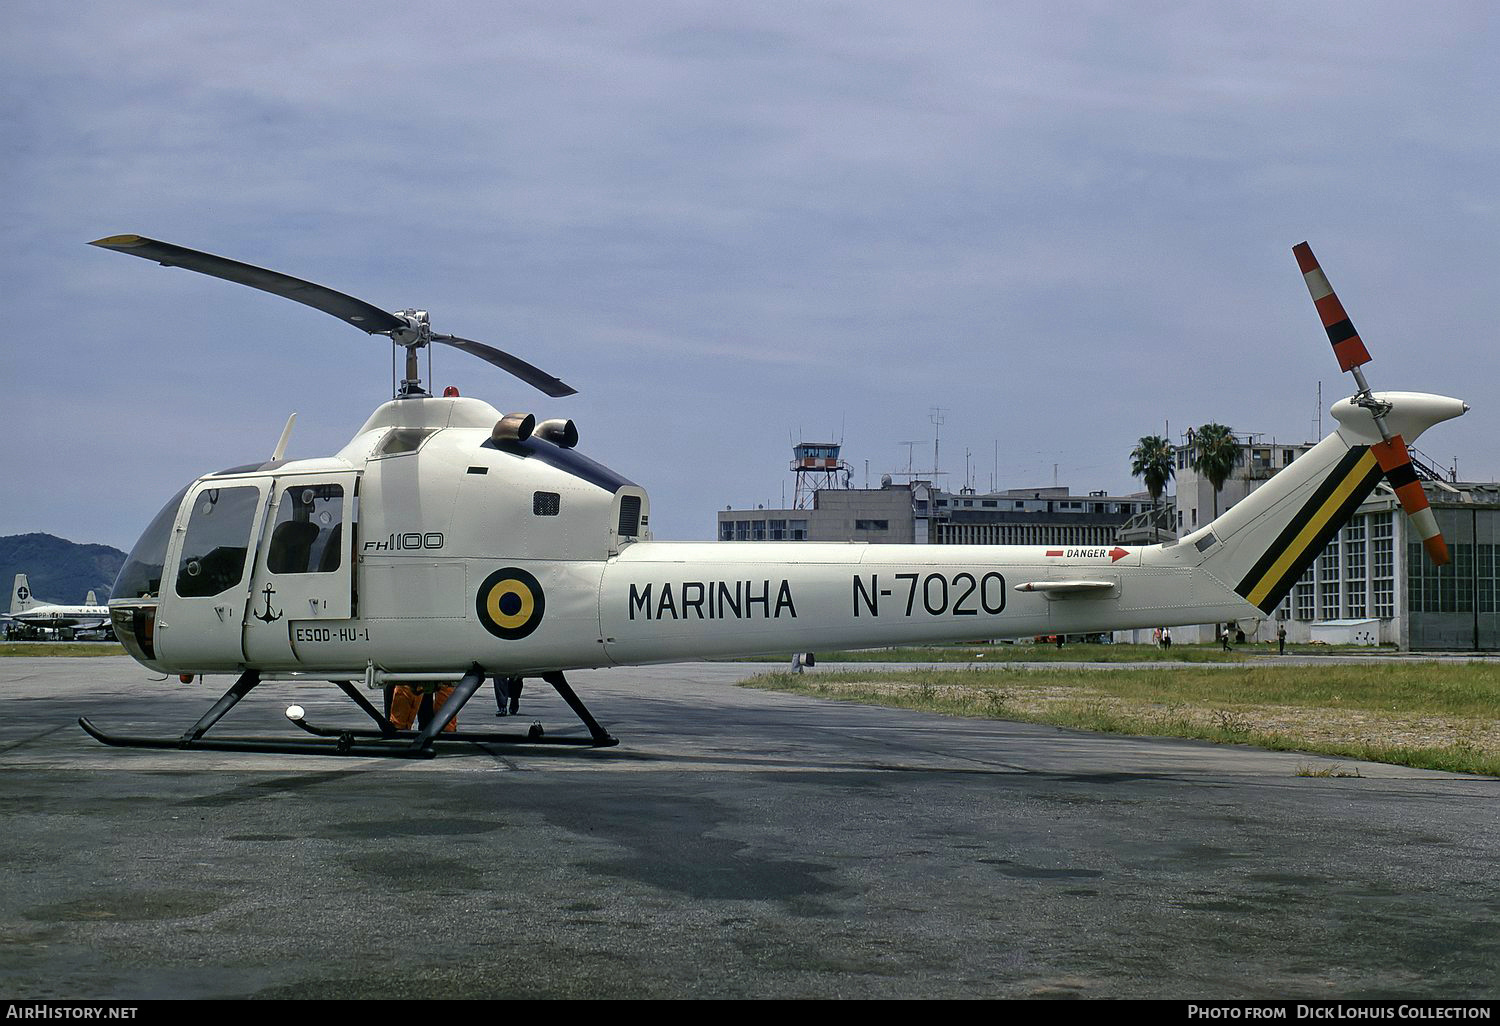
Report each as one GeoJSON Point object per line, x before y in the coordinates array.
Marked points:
{"type": "Point", "coordinates": [417, 331]}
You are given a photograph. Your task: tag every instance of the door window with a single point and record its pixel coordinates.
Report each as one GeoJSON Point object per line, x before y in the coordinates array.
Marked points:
{"type": "Point", "coordinates": [309, 531]}
{"type": "Point", "coordinates": [218, 535]}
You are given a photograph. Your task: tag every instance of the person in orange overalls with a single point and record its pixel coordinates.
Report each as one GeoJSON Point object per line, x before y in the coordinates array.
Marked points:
{"type": "Point", "coordinates": [406, 704]}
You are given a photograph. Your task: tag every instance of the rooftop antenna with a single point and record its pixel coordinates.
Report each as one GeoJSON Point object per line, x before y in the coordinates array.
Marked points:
{"type": "Point", "coordinates": [910, 457]}
{"type": "Point", "coordinates": [937, 418]}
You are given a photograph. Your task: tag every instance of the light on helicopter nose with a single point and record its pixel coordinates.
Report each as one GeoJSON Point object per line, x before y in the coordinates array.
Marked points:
{"type": "Point", "coordinates": [295, 713]}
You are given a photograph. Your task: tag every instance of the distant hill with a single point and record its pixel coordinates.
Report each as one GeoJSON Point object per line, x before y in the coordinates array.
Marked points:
{"type": "Point", "coordinates": [57, 569]}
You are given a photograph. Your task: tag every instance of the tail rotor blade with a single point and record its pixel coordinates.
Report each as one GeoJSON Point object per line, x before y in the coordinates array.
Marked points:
{"type": "Point", "coordinates": [1395, 461]}
{"type": "Point", "coordinates": [1347, 345]}
{"type": "Point", "coordinates": [1391, 453]}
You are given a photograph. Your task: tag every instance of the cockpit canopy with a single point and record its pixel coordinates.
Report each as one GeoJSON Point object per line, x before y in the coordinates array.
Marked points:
{"type": "Point", "coordinates": [141, 575]}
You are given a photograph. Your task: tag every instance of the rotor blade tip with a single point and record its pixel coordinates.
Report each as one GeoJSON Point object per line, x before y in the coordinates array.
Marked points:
{"type": "Point", "coordinates": [118, 241]}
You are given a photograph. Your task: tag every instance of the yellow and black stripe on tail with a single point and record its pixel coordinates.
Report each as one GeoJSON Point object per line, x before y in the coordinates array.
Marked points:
{"type": "Point", "coordinates": [1329, 509]}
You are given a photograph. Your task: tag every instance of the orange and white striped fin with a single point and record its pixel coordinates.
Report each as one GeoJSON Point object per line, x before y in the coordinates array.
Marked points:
{"type": "Point", "coordinates": [1347, 345]}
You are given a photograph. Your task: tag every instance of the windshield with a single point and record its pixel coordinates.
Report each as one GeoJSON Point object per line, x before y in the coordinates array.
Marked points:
{"type": "Point", "coordinates": [140, 577]}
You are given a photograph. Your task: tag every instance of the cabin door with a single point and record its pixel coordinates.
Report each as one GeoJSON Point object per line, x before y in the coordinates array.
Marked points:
{"type": "Point", "coordinates": [206, 579]}
{"type": "Point", "coordinates": [302, 593]}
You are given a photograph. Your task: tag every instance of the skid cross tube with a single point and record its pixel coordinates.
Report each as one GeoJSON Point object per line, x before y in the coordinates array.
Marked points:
{"type": "Point", "coordinates": [449, 711]}
{"type": "Point", "coordinates": [601, 737]}
{"type": "Point", "coordinates": [348, 688]}
{"type": "Point", "coordinates": [242, 687]}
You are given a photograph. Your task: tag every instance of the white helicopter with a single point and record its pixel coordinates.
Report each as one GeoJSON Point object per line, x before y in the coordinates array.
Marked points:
{"type": "Point", "coordinates": [448, 542]}
{"type": "Point", "coordinates": [27, 610]}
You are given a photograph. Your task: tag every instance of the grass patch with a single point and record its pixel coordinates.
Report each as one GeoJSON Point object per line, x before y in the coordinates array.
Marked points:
{"type": "Point", "coordinates": [61, 648]}
{"type": "Point", "coordinates": [1079, 653]}
{"type": "Point", "coordinates": [1443, 716]}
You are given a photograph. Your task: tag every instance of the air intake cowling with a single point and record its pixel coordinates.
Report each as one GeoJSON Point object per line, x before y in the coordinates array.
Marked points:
{"type": "Point", "coordinates": [514, 427]}
{"type": "Point", "coordinates": [561, 433]}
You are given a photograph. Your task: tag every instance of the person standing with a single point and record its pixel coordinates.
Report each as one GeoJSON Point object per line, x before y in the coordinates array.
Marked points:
{"type": "Point", "coordinates": [1281, 639]}
{"type": "Point", "coordinates": [419, 703]}
{"type": "Point", "coordinates": [507, 696]}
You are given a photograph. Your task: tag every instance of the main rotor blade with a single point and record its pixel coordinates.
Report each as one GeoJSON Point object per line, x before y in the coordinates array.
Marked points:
{"type": "Point", "coordinates": [533, 376]}
{"type": "Point", "coordinates": [346, 308]}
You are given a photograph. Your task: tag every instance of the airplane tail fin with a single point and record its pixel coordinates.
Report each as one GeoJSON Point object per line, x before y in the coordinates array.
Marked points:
{"type": "Point", "coordinates": [92, 600]}
{"type": "Point", "coordinates": [20, 596]}
{"type": "Point", "coordinates": [1261, 546]}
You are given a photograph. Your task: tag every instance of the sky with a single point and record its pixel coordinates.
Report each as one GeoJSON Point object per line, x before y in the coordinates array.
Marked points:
{"type": "Point", "coordinates": [735, 226]}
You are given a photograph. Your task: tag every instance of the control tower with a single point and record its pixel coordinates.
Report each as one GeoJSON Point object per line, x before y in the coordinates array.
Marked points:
{"type": "Point", "coordinates": [817, 466]}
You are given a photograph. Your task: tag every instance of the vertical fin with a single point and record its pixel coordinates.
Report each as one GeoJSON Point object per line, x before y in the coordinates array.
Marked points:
{"type": "Point", "coordinates": [21, 598]}
{"type": "Point", "coordinates": [1310, 528]}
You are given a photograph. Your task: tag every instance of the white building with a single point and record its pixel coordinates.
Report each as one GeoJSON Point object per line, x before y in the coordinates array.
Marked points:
{"type": "Point", "coordinates": [1258, 461]}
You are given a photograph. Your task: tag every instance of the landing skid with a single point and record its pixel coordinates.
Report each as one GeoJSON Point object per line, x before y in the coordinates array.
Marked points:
{"type": "Point", "coordinates": [535, 736]}
{"type": "Point", "coordinates": [385, 741]}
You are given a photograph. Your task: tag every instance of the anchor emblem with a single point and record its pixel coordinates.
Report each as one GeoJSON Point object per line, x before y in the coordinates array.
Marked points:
{"type": "Point", "coordinates": [270, 615]}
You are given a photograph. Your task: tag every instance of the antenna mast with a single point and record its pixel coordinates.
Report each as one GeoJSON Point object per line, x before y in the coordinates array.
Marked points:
{"type": "Point", "coordinates": [937, 418]}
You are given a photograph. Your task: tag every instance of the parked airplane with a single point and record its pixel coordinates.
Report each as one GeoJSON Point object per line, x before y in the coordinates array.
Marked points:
{"type": "Point", "coordinates": [25, 609]}
{"type": "Point", "coordinates": [448, 542]}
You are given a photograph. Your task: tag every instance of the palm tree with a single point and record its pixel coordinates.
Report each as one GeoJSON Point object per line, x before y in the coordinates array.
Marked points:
{"type": "Point", "coordinates": [1215, 452]}
{"type": "Point", "coordinates": [1151, 461]}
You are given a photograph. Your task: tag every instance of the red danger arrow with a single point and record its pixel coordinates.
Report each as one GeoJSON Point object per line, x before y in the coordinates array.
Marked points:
{"type": "Point", "coordinates": [1116, 554]}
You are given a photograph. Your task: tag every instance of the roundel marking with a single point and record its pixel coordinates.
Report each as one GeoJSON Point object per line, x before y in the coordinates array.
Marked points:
{"type": "Point", "coordinates": [23, 593]}
{"type": "Point", "coordinates": [510, 603]}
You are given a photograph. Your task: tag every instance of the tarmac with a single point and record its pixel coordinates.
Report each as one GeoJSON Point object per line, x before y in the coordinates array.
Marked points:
{"type": "Point", "coordinates": [738, 843]}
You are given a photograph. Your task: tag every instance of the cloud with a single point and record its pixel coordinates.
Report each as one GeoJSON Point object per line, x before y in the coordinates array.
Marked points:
{"type": "Point", "coordinates": [1067, 223]}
